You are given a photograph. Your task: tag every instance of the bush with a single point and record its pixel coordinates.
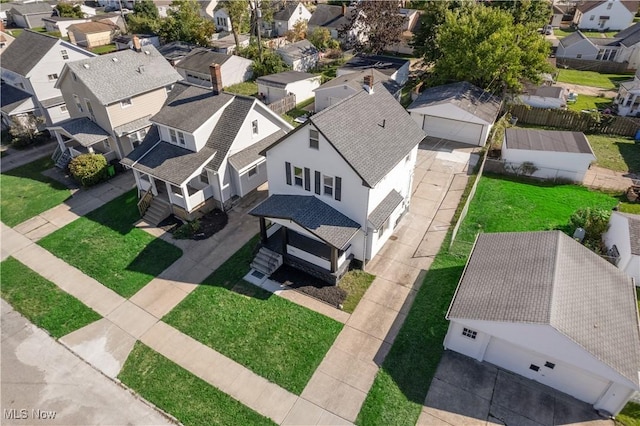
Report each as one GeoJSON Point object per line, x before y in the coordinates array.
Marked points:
{"type": "Point", "coordinates": [187, 231]}
{"type": "Point", "coordinates": [594, 222]}
{"type": "Point", "coordinates": [89, 169]}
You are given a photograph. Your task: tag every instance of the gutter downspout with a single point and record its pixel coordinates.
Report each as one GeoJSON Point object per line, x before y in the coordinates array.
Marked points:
{"type": "Point", "coordinates": [366, 233]}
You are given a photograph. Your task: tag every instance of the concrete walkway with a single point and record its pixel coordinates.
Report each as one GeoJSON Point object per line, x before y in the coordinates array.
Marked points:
{"type": "Point", "coordinates": [19, 157]}
{"type": "Point", "coordinates": [600, 178]}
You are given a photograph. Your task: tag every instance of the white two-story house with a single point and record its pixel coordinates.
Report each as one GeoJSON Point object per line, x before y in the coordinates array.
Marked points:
{"type": "Point", "coordinates": [110, 99]}
{"type": "Point", "coordinates": [605, 14]}
{"type": "Point", "coordinates": [288, 16]}
{"type": "Point", "coordinates": [627, 103]}
{"type": "Point", "coordinates": [33, 64]}
{"type": "Point", "coordinates": [339, 184]}
{"type": "Point", "coordinates": [202, 151]}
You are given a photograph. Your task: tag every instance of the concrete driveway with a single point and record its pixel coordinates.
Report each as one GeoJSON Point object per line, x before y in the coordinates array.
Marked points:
{"type": "Point", "coordinates": [467, 392]}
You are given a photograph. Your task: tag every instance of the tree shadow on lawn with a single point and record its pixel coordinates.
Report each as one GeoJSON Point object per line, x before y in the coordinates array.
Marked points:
{"type": "Point", "coordinates": [630, 152]}
{"type": "Point", "coordinates": [33, 171]}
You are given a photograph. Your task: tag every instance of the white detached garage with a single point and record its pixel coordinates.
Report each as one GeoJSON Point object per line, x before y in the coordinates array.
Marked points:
{"type": "Point", "coordinates": [459, 112]}
{"type": "Point", "coordinates": [545, 307]}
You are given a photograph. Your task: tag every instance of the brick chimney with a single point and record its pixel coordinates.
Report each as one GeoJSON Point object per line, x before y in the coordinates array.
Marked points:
{"type": "Point", "coordinates": [368, 83]}
{"type": "Point", "coordinates": [344, 9]}
{"type": "Point", "coordinates": [137, 46]}
{"type": "Point", "coordinates": [216, 78]}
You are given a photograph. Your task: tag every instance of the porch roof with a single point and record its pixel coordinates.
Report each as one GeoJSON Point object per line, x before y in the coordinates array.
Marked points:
{"type": "Point", "coordinates": [385, 208]}
{"type": "Point", "coordinates": [52, 102]}
{"type": "Point", "coordinates": [132, 126]}
{"type": "Point", "coordinates": [319, 218]}
{"type": "Point", "coordinates": [83, 130]}
{"type": "Point", "coordinates": [11, 98]}
{"type": "Point", "coordinates": [251, 154]}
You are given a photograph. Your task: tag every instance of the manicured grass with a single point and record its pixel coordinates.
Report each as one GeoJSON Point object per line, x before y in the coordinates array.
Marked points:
{"type": "Point", "coordinates": [106, 246]}
{"type": "Point", "coordinates": [25, 192]}
{"type": "Point", "coordinates": [630, 415]}
{"type": "Point", "coordinates": [590, 102]}
{"type": "Point", "coordinates": [617, 153]}
{"type": "Point", "coordinates": [401, 385]}
{"type": "Point", "coordinates": [593, 34]}
{"type": "Point", "coordinates": [277, 339]}
{"type": "Point", "coordinates": [592, 78]}
{"type": "Point", "coordinates": [247, 88]}
{"type": "Point", "coordinates": [183, 395]}
{"type": "Point", "coordinates": [355, 283]}
{"type": "Point", "coordinates": [633, 208]}
{"type": "Point", "coordinates": [101, 50]}
{"type": "Point", "coordinates": [41, 301]}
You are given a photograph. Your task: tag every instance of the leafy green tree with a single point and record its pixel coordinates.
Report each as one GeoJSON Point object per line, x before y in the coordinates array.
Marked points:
{"type": "Point", "coordinates": [298, 32]}
{"type": "Point", "coordinates": [147, 9]}
{"type": "Point", "coordinates": [184, 23]}
{"type": "Point", "coordinates": [140, 24]}
{"type": "Point", "coordinates": [321, 38]}
{"type": "Point", "coordinates": [595, 222]}
{"type": "Point", "coordinates": [373, 26]}
{"type": "Point", "coordinates": [271, 62]}
{"type": "Point", "coordinates": [238, 11]}
{"type": "Point", "coordinates": [67, 10]}
{"type": "Point", "coordinates": [482, 45]}
{"type": "Point", "coordinates": [433, 15]}
{"type": "Point", "coordinates": [532, 12]}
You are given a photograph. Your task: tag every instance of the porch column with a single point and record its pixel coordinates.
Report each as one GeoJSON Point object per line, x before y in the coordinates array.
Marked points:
{"type": "Point", "coordinates": [334, 259]}
{"type": "Point", "coordinates": [285, 239]}
{"type": "Point", "coordinates": [60, 141]}
{"type": "Point", "coordinates": [263, 231]}
{"type": "Point", "coordinates": [185, 196]}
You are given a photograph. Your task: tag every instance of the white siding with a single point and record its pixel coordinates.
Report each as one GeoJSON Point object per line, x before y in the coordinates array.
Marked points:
{"type": "Point", "coordinates": [618, 235]}
{"type": "Point", "coordinates": [619, 17]}
{"type": "Point", "coordinates": [460, 129]}
{"type": "Point", "coordinates": [302, 89]}
{"type": "Point", "coordinates": [583, 49]}
{"type": "Point", "coordinates": [236, 70]}
{"type": "Point", "coordinates": [551, 165]}
{"type": "Point", "coordinates": [542, 102]}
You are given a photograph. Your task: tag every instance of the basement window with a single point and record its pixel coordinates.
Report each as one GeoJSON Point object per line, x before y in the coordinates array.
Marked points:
{"type": "Point", "coordinates": [471, 334]}
{"type": "Point", "coordinates": [549, 365]}
{"type": "Point", "coordinates": [534, 367]}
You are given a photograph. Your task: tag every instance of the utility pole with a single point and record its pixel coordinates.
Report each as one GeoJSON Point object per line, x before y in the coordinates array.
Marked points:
{"type": "Point", "coordinates": [259, 29]}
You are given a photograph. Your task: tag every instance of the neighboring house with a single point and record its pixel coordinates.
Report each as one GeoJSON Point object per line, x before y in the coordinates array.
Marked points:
{"type": "Point", "coordinates": [396, 68]}
{"type": "Point", "coordinates": [126, 41]}
{"type": "Point", "coordinates": [222, 20]}
{"type": "Point", "coordinates": [629, 50]}
{"type": "Point", "coordinates": [332, 18]}
{"type": "Point", "coordinates": [29, 15]}
{"type": "Point", "coordinates": [579, 46]}
{"type": "Point", "coordinates": [5, 40]}
{"type": "Point", "coordinates": [339, 88]}
{"type": "Point", "coordinates": [605, 15]}
{"type": "Point", "coordinates": [555, 154]}
{"type": "Point", "coordinates": [92, 34]}
{"type": "Point", "coordinates": [543, 306]}
{"type": "Point", "coordinates": [550, 97]}
{"type": "Point", "coordinates": [557, 15]}
{"type": "Point", "coordinates": [203, 151]}
{"type": "Point", "coordinates": [288, 16]}
{"type": "Point", "coordinates": [411, 23]}
{"type": "Point", "coordinates": [57, 23]}
{"type": "Point", "coordinates": [627, 103]}
{"type": "Point", "coordinates": [33, 63]}
{"type": "Point", "coordinates": [15, 106]}
{"type": "Point", "coordinates": [276, 86]}
{"type": "Point", "coordinates": [194, 67]}
{"type": "Point", "coordinates": [623, 243]}
{"type": "Point", "coordinates": [175, 51]}
{"type": "Point", "coordinates": [300, 56]}
{"type": "Point", "coordinates": [227, 44]}
{"type": "Point", "coordinates": [459, 111]}
{"type": "Point", "coordinates": [111, 115]}
{"type": "Point", "coordinates": [338, 185]}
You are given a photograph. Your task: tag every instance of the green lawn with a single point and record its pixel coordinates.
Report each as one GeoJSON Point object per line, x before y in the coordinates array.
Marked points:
{"type": "Point", "coordinates": [101, 50]}
{"type": "Point", "coordinates": [41, 301]}
{"type": "Point", "coordinates": [590, 102]}
{"type": "Point", "coordinates": [25, 192]}
{"type": "Point", "coordinates": [592, 78]}
{"type": "Point", "coordinates": [401, 385]}
{"type": "Point", "coordinates": [633, 208]}
{"type": "Point", "coordinates": [630, 415]}
{"type": "Point", "coordinates": [183, 395]}
{"type": "Point", "coordinates": [617, 153]}
{"type": "Point", "coordinates": [106, 246]}
{"type": "Point", "coordinates": [247, 88]}
{"type": "Point", "coordinates": [563, 33]}
{"type": "Point", "coordinates": [279, 340]}
{"type": "Point", "coordinates": [355, 283]}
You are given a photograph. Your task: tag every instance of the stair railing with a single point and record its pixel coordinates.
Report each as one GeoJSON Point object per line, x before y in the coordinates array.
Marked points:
{"type": "Point", "coordinates": [145, 202]}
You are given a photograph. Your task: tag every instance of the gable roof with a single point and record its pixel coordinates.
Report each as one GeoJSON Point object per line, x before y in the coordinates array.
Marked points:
{"type": "Point", "coordinates": [547, 140]}
{"type": "Point", "coordinates": [83, 130]}
{"type": "Point", "coordinates": [32, 8]}
{"type": "Point", "coordinates": [586, 6]}
{"type": "Point", "coordinates": [12, 97]}
{"type": "Point", "coordinates": [298, 50]}
{"type": "Point", "coordinates": [330, 16]}
{"type": "Point", "coordinates": [175, 50]}
{"type": "Point", "coordinates": [135, 72]}
{"type": "Point", "coordinates": [281, 79]}
{"type": "Point", "coordinates": [572, 39]}
{"type": "Point", "coordinates": [629, 36]}
{"type": "Point", "coordinates": [317, 217]}
{"type": "Point", "coordinates": [26, 51]}
{"type": "Point", "coordinates": [199, 59]}
{"type": "Point", "coordinates": [251, 154]}
{"type": "Point", "coordinates": [356, 80]}
{"type": "Point", "coordinates": [372, 132]}
{"type": "Point", "coordinates": [465, 96]}
{"type": "Point", "coordinates": [387, 65]}
{"type": "Point", "coordinates": [548, 278]}
{"type": "Point", "coordinates": [93, 27]}
{"type": "Point", "coordinates": [285, 13]}
{"type": "Point", "coordinates": [555, 92]}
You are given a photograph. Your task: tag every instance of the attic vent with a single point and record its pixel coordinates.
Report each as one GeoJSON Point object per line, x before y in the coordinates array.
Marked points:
{"type": "Point", "coordinates": [114, 59]}
{"type": "Point", "coordinates": [141, 69]}
{"type": "Point", "coordinates": [86, 66]}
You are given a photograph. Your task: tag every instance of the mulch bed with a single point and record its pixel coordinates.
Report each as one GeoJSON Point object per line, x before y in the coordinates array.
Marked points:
{"type": "Point", "coordinates": [210, 224]}
{"type": "Point", "coordinates": [170, 224]}
{"type": "Point", "coordinates": [310, 285]}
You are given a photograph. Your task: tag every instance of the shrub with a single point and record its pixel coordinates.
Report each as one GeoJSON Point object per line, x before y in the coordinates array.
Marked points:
{"type": "Point", "coordinates": [187, 231]}
{"type": "Point", "coordinates": [594, 222]}
{"type": "Point", "coordinates": [89, 169]}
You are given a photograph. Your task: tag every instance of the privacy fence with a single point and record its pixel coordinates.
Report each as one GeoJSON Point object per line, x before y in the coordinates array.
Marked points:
{"type": "Point", "coordinates": [592, 65]}
{"type": "Point", "coordinates": [283, 105]}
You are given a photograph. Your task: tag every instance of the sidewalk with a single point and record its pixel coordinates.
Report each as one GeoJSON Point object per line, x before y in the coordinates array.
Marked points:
{"type": "Point", "coordinates": [19, 157]}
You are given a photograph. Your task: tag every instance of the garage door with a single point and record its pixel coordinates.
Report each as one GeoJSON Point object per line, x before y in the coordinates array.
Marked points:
{"type": "Point", "coordinates": [452, 129]}
{"type": "Point", "coordinates": [568, 379]}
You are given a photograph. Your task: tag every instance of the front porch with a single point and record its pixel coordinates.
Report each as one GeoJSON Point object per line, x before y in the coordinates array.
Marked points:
{"type": "Point", "coordinates": [81, 136]}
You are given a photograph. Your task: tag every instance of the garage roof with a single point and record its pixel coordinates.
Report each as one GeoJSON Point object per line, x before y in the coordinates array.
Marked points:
{"type": "Point", "coordinates": [547, 140]}
{"type": "Point", "coordinates": [548, 278]}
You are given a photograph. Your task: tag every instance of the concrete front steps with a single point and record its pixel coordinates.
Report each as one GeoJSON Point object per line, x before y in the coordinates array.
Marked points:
{"type": "Point", "coordinates": [157, 211]}
{"type": "Point", "coordinates": [266, 261]}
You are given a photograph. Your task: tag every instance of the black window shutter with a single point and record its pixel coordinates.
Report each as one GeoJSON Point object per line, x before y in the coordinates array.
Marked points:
{"type": "Point", "coordinates": [287, 172]}
{"type": "Point", "coordinates": [307, 179]}
{"type": "Point", "coordinates": [318, 182]}
{"type": "Point", "coordinates": [338, 190]}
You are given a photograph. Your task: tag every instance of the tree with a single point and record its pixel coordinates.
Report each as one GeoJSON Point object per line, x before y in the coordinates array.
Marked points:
{"type": "Point", "coordinates": [140, 24]}
{"type": "Point", "coordinates": [433, 15]}
{"type": "Point", "coordinates": [67, 10]}
{"type": "Point", "coordinates": [321, 38]}
{"type": "Point", "coordinates": [372, 26]}
{"type": "Point", "coordinates": [482, 45]}
{"type": "Point", "coordinates": [269, 62]}
{"type": "Point", "coordinates": [298, 32]}
{"type": "Point", "coordinates": [184, 23]}
{"type": "Point", "coordinates": [238, 11]}
{"type": "Point", "coordinates": [146, 9]}
{"type": "Point", "coordinates": [531, 12]}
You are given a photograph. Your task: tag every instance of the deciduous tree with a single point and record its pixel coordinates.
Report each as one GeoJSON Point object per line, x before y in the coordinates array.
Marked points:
{"type": "Point", "coordinates": [238, 11]}
{"type": "Point", "coordinates": [298, 32]}
{"type": "Point", "coordinates": [321, 38]}
{"type": "Point", "coordinates": [432, 16]}
{"type": "Point", "coordinates": [68, 10]}
{"type": "Point", "coordinates": [184, 23]}
{"type": "Point", "coordinates": [373, 26]}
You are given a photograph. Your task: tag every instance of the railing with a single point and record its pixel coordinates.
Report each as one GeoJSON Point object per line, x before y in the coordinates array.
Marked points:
{"type": "Point", "coordinates": [145, 202]}
{"type": "Point", "coordinates": [56, 154]}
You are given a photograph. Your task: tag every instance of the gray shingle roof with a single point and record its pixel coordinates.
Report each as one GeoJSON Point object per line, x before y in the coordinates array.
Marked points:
{"type": "Point", "coordinates": [298, 50]}
{"type": "Point", "coordinates": [634, 232]}
{"type": "Point", "coordinates": [227, 129]}
{"type": "Point", "coordinates": [85, 131]}
{"type": "Point", "coordinates": [549, 92]}
{"type": "Point", "coordinates": [198, 60]}
{"type": "Point", "coordinates": [385, 208]}
{"type": "Point", "coordinates": [281, 79]}
{"type": "Point", "coordinates": [547, 140]}
{"type": "Point", "coordinates": [32, 8]}
{"type": "Point", "coordinates": [548, 278]}
{"type": "Point", "coordinates": [319, 218]}
{"type": "Point", "coordinates": [285, 13]}
{"type": "Point", "coordinates": [572, 39]}
{"type": "Point", "coordinates": [132, 126]}
{"type": "Point", "coordinates": [26, 51]}
{"type": "Point", "coordinates": [124, 74]}
{"type": "Point", "coordinates": [176, 50]}
{"type": "Point", "coordinates": [356, 80]}
{"type": "Point", "coordinates": [11, 98]}
{"type": "Point", "coordinates": [93, 27]}
{"type": "Point", "coordinates": [51, 102]}
{"type": "Point", "coordinates": [387, 65]}
{"type": "Point", "coordinates": [330, 16]}
{"type": "Point", "coordinates": [630, 35]}
{"type": "Point", "coordinates": [251, 154]}
{"type": "Point", "coordinates": [465, 96]}
{"type": "Point", "coordinates": [372, 132]}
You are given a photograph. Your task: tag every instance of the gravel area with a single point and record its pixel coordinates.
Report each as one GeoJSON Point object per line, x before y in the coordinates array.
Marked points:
{"type": "Point", "coordinates": [310, 285]}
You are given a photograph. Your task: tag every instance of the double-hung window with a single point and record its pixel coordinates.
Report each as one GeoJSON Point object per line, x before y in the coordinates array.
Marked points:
{"type": "Point", "coordinates": [298, 176]}
{"type": "Point", "coordinates": [328, 185]}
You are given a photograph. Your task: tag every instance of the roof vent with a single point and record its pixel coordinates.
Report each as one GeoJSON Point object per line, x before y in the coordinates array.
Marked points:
{"type": "Point", "coordinates": [86, 66]}
{"type": "Point", "coordinates": [146, 52]}
{"type": "Point", "coordinates": [114, 59]}
{"type": "Point", "coordinates": [141, 69]}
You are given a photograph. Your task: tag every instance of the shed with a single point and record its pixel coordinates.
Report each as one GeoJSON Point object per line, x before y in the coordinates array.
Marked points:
{"type": "Point", "coordinates": [551, 97]}
{"type": "Point", "coordinates": [276, 86]}
{"type": "Point", "coordinates": [623, 243]}
{"type": "Point", "coordinates": [300, 56]}
{"type": "Point", "coordinates": [92, 34]}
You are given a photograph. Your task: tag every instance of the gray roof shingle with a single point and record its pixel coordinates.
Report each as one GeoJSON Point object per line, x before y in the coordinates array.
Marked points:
{"type": "Point", "coordinates": [227, 129]}
{"type": "Point", "coordinates": [26, 51]}
{"type": "Point", "coordinates": [549, 92]}
{"type": "Point", "coordinates": [135, 73]}
{"type": "Point", "coordinates": [387, 65]}
{"type": "Point", "coordinates": [465, 96]}
{"type": "Point", "coordinates": [385, 208]}
{"type": "Point", "coordinates": [32, 8]}
{"type": "Point", "coordinates": [298, 50]}
{"type": "Point", "coordinates": [547, 140]}
{"type": "Point", "coordinates": [630, 35]}
{"type": "Point", "coordinates": [281, 79]}
{"type": "Point", "coordinates": [132, 126]}
{"type": "Point", "coordinates": [199, 59]}
{"type": "Point", "coordinates": [572, 39]}
{"type": "Point", "coordinates": [251, 154]}
{"type": "Point", "coordinates": [356, 80]}
{"type": "Point", "coordinates": [634, 232]}
{"type": "Point", "coordinates": [11, 98]}
{"type": "Point", "coordinates": [330, 16]}
{"type": "Point", "coordinates": [51, 102]}
{"type": "Point", "coordinates": [372, 132]}
{"type": "Point", "coordinates": [85, 131]}
{"type": "Point", "coordinates": [548, 278]}
{"type": "Point", "coordinates": [285, 13]}
{"type": "Point", "coordinates": [319, 218]}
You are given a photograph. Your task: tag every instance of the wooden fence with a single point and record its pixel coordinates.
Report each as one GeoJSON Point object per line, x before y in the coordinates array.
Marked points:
{"type": "Point", "coordinates": [283, 105]}
{"type": "Point", "coordinates": [593, 65]}
{"type": "Point", "coordinates": [576, 121]}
